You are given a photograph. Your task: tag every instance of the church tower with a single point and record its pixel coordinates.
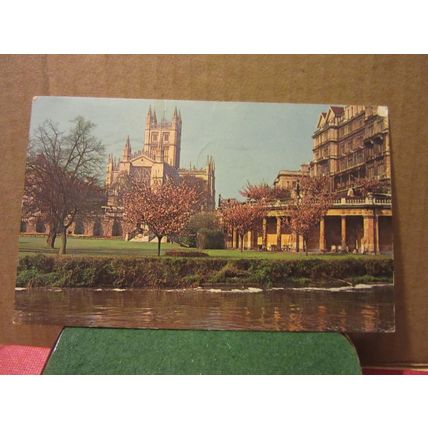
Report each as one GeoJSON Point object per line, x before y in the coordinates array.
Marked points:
{"type": "Point", "coordinates": [162, 140]}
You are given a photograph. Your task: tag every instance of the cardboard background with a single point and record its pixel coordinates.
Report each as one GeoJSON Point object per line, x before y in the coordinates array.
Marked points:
{"type": "Point", "coordinates": [399, 82]}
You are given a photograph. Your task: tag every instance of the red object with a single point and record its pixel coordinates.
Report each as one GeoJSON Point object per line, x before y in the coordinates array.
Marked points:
{"type": "Point", "coordinates": [22, 360]}
{"type": "Point", "coordinates": [390, 371]}
{"type": "Point", "coordinates": [30, 360]}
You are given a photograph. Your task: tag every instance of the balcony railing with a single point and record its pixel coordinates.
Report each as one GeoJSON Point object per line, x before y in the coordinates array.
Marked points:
{"type": "Point", "coordinates": [345, 201]}
{"type": "Point", "coordinates": [376, 200]}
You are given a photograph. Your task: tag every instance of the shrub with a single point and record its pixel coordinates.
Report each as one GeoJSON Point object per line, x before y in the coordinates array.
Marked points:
{"type": "Point", "coordinates": [197, 223]}
{"type": "Point", "coordinates": [178, 253]}
{"type": "Point", "coordinates": [210, 239]}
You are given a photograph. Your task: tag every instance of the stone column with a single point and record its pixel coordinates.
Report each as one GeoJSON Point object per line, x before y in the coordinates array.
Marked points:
{"type": "Point", "coordinates": [343, 232]}
{"type": "Point", "coordinates": [322, 234]}
{"type": "Point", "coordinates": [107, 228]}
{"type": "Point", "coordinates": [278, 233]}
{"type": "Point", "coordinates": [264, 236]}
{"type": "Point", "coordinates": [88, 227]}
{"type": "Point", "coordinates": [234, 234]}
{"type": "Point", "coordinates": [250, 240]}
{"type": "Point", "coordinates": [369, 233]}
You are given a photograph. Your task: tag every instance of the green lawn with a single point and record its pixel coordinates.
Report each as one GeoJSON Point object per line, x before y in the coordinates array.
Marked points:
{"type": "Point", "coordinates": [29, 245]}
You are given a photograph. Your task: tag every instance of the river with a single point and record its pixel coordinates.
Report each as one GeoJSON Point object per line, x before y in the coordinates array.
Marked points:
{"type": "Point", "coordinates": [360, 309]}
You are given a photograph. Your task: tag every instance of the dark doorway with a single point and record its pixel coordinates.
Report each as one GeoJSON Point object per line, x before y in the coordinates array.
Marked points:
{"type": "Point", "coordinates": [385, 234]}
{"type": "Point", "coordinates": [354, 232]}
{"type": "Point", "coordinates": [116, 229]}
{"type": "Point", "coordinates": [40, 227]}
{"type": "Point", "coordinates": [98, 229]}
{"type": "Point", "coordinates": [333, 235]}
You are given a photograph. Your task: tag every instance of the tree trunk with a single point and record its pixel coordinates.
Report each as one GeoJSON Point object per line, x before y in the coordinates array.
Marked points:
{"type": "Point", "coordinates": [242, 242]}
{"type": "Point", "coordinates": [63, 248]}
{"type": "Point", "coordinates": [305, 243]}
{"type": "Point", "coordinates": [159, 244]}
{"type": "Point", "coordinates": [297, 243]}
{"type": "Point", "coordinates": [50, 241]}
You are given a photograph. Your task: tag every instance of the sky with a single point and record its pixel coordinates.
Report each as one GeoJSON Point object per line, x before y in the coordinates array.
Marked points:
{"type": "Point", "coordinates": [248, 141]}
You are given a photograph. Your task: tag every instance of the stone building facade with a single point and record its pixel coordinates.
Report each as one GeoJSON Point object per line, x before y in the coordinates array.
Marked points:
{"type": "Point", "coordinates": [349, 143]}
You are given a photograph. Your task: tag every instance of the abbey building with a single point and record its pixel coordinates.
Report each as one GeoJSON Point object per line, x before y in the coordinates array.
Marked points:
{"type": "Point", "coordinates": [156, 159]}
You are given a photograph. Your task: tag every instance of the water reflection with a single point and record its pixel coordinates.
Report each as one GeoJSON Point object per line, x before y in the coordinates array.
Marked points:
{"type": "Point", "coordinates": [365, 310]}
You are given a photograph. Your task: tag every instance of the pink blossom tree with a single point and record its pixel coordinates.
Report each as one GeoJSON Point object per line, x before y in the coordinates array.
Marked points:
{"type": "Point", "coordinates": [164, 208]}
{"type": "Point", "coordinates": [259, 192]}
{"type": "Point", "coordinates": [309, 207]}
{"type": "Point", "coordinates": [242, 217]}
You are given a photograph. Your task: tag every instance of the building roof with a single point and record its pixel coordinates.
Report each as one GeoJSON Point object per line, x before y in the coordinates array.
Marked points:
{"type": "Point", "coordinates": [338, 111]}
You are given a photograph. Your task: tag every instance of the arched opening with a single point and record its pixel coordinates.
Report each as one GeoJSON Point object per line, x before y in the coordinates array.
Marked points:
{"type": "Point", "coordinates": [23, 227]}
{"type": "Point", "coordinates": [40, 227]}
{"type": "Point", "coordinates": [98, 229]}
{"type": "Point", "coordinates": [116, 229]}
{"type": "Point", "coordinates": [79, 229]}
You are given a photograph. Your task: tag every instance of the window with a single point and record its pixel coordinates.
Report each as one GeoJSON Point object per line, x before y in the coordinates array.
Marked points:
{"type": "Point", "coordinates": [166, 137]}
{"type": "Point", "coordinates": [154, 137]}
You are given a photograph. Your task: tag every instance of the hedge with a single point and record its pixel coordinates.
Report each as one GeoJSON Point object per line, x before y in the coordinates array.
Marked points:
{"type": "Point", "coordinates": [168, 272]}
{"type": "Point", "coordinates": [210, 239]}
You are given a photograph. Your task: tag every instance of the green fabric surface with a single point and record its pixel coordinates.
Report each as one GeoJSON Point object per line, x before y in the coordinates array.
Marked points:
{"type": "Point", "coordinates": [126, 351]}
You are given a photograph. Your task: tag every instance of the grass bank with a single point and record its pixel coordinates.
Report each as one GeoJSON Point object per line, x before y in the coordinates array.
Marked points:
{"type": "Point", "coordinates": [182, 272]}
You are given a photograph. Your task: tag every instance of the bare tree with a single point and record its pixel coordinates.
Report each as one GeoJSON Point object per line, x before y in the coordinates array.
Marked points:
{"type": "Point", "coordinates": [62, 177]}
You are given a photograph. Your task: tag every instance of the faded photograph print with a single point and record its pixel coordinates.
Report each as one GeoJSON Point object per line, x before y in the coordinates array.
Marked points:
{"type": "Point", "coordinates": [206, 215]}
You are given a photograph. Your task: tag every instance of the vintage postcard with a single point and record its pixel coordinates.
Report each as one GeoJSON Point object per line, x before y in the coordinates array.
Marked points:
{"type": "Point", "coordinates": [207, 215]}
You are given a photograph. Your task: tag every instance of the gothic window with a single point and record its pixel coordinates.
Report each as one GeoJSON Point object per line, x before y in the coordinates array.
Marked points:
{"type": "Point", "coordinates": [165, 137]}
{"type": "Point", "coordinates": [154, 137]}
